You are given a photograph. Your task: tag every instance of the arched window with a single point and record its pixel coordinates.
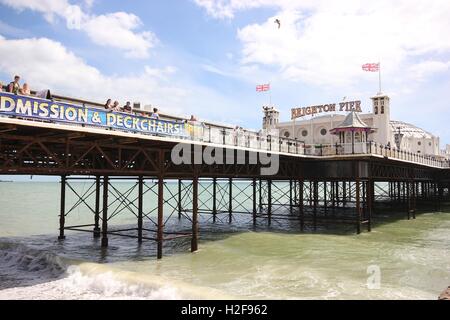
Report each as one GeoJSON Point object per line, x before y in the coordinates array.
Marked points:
{"type": "Point", "coordinates": [382, 110]}
{"type": "Point", "coordinates": [287, 134]}
{"type": "Point", "coordinates": [376, 110]}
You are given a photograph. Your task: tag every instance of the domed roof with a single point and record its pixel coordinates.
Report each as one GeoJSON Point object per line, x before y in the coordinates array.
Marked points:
{"type": "Point", "coordinates": [409, 130]}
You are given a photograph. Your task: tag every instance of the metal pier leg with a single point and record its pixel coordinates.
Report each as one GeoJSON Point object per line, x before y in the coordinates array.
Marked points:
{"type": "Point", "coordinates": [440, 195]}
{"type": "Point", "coordinates": [269, 201]}
{"type": "Point", "coordinates": [344, 193]}
{"type": "Point", "coordinates": [194, 241]}
{"type": "Point", "coordinates": [62, 211]}
{"type": "Point", "coordinates": [333, 196]}
{"type": "Point", "coordinates": [105, 212]}
{"type": "Point", "coordinates": [214, 209]}
{"type": "Point", "coordinates": [315, 200]}
{"type": "Point", "coordinates": [230, 201]}
{"type": "Point", "coordinates": [260, 195]}
{"type": "Point", "coordinates": [140, 207]}
{"type": "Point", "coordinates": [370, 200]}
{"type": "Point", "coordinates": [325, 196]}
{"type": "Point", "coordinates": [414, 195]}
{"type": "Point", "coordinates": [291, 206]}
{"type": "Point", "coordinates": [358, 207]}
{"type": "Point", "coordinates": [97, 208]}
{"type": "Point", "coordinates": [254, 201]}
{"type": "Point", "coordinates": [408, 200]}
{"type": "Point", "coordinates": [179, 198]}
{"type": "Point", "coordinates": [160, 234]}
{"type": "Point", "coordinates": [301, 208]}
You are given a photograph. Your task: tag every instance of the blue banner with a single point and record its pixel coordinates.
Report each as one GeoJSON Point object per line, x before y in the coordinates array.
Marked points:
{"type": "Point", "coordinates": [36, 108]}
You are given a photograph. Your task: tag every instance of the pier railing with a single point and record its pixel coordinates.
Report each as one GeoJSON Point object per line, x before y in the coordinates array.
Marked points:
{"type": "Point", "coordinates": [239, 137]}
{"type": "Point", "coordinates": [261, 141]}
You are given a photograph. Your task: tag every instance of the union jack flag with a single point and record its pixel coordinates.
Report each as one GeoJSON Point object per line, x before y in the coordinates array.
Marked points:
{"type": "Point", "coordinates": [263, 87]}
{"type": "Point", "coordinates": [372, 67]}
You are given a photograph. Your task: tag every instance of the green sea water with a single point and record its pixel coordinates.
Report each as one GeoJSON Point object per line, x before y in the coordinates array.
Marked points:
{"type": "Point", "coordinates": [411, 258]}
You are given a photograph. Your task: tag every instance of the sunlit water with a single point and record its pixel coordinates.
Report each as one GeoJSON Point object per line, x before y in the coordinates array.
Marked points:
{"type": "Point", "coordinates": [234, 261]}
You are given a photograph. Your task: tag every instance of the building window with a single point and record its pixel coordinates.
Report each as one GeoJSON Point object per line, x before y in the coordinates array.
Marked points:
{"type": "Point", "coordinates": [376, 110]}
{"type": "Point", "coordinates": [429, 143]}
{"type": "Point", "coordinates": [287, 134]}
{"type": "Point", "coordinates": [419, 143]}
{"type": "Point", "coordinates": [382, 109]}
{"type": "Point", "coordinates": [418, 151]}
{"type": "Point", "coordinates": [304, 133]}
{"type": "Point", "coordinates": [323, 132]}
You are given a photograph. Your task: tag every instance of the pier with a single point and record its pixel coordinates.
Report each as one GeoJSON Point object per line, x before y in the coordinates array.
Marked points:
{"type": "Point", "coordinates": [314, 184]}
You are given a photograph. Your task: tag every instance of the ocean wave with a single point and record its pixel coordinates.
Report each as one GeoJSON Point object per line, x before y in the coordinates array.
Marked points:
{"type": "Point", "coordinates": [27, 273]}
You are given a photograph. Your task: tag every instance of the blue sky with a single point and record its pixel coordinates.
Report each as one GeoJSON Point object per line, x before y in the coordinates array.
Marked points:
{"type": "Point", "coordinates": [205, 57]}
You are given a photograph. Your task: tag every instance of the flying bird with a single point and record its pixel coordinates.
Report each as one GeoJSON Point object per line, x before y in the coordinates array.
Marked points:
{"type": "Point", "coordinates": [277, 21]}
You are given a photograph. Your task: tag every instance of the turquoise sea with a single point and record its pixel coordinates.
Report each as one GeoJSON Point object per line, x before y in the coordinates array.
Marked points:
{"type": "Point", "coordinates": [406, 259]}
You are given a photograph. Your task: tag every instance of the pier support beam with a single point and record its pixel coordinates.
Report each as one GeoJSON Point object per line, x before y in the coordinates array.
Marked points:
{"type": "Point", "coordinates": [358, 206]}
{"type": "Point", "coordinates": [315, 201]}
{"type": "Point", "coordinates": [370, 194]}
{"type": "Point", "coordinates": [97, 208]}
{"type": "Point", "coordinates": [160, 229]}
{"type": "Point", "coordinates": [180, 190]}
{"type": "Point", "coordinates": [230, 200]}
{"type": "Point", "coordinates": [105, 212]}
{"type": "Point", "coordinates": [194, 241]}
{"type": "Point", "coordinates": [300, 203]}
{"type": "Point", "coordinates": [62, 211]}
{"type": "Point", "coordinates": [269, 201]}
{"type": "Point", "coordinates": [214, 198]}
{"type": "Point", "coordinates": [254, 201]}
{"type": "Point", "coordinates": [140, 207]}
{"type": "Point", "coordinates": [291, 205]}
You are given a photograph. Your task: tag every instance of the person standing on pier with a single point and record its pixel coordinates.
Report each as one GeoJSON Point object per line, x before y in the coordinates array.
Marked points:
{"type": "Point", "coordinates": [155, 114]}
{"type": "Point", "coordinates": [14, 86]}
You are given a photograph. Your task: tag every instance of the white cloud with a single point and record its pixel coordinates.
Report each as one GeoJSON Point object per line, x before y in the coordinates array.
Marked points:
{"type": "Point", "coordinates": [424, 69]}
{"type": "Point", "coordinates": [45, 63]}
{"type": "Point", "coordinates": [116, 30]}
{"type": "Point", "coordinates": [326, 42]}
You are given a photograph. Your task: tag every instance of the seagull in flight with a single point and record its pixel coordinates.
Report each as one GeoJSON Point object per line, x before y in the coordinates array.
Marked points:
{"type": "Point", "coordinates": [277, 21]}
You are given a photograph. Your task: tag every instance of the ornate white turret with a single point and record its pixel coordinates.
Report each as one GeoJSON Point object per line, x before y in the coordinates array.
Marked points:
{"type": "Point", "coordinates": [271, 118]}
{"type": "Point", "coordinates": [381, 119]}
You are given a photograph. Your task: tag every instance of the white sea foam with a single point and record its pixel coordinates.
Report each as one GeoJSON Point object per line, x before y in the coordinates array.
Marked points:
{"type": "Point", "coordinates": [34, 274]}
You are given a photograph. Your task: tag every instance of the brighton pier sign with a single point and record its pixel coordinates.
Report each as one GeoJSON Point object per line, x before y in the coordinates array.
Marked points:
{"type": "Point", "coordinates": [332, 107]}
{"type": "Point", "coordinates": [51, 111]}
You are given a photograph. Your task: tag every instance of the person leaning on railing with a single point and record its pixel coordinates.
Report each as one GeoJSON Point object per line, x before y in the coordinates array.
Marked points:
{"type": "Point", "coordinates": [25, 90]}
{"type": "Point", "coordinates": [127, 107]}
{"type": "Point", "coordinates": [108, 105]}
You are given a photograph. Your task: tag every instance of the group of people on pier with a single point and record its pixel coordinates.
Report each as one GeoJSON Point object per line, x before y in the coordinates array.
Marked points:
{"type": "Point", "coordinates": [15, 87]}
